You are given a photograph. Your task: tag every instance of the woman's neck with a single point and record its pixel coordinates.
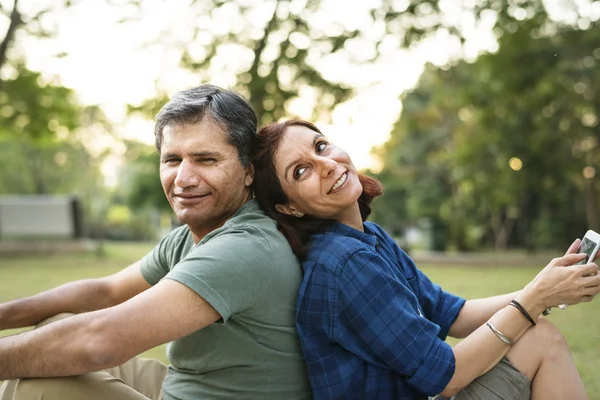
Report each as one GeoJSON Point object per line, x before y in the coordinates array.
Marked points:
{"type": "Point", "coordinates": [352, 217]}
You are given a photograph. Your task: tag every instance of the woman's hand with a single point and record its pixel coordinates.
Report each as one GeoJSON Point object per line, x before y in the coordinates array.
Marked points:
{"type": "Point", "coordinates": [561, 282]}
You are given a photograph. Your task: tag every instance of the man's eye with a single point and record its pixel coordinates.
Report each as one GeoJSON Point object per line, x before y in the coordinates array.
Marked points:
{"type": "Point", "coordinates": [206, 161]}
{"type": "Point", "coordinates": [298, 172]}
{"type": "Point", "coordinates": [171, 161]}
{"type": "Point", "coordinates": [321, 146]}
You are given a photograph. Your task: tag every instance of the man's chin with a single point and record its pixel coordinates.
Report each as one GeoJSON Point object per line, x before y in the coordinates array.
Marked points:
{"type": "Point", "coordinates": [185, 218]}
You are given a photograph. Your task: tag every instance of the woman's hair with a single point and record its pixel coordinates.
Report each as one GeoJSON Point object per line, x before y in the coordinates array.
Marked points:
{"type": "Point", "coordinates": [268, 191]}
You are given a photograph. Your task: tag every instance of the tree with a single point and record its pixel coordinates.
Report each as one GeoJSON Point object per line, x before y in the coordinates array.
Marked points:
{"type": "Point", "coordinates": [43, 151]}
{"type": "Point", "coordinates": [30, 21]}
{"type": "Point", "coordinates": [419, 158]}
{"type": "Point", "coordinates": [280, 46]}
{"type": "Point", "coordinates": [520, 130]}
{"type": "Point", "coordinates": [140, 185]}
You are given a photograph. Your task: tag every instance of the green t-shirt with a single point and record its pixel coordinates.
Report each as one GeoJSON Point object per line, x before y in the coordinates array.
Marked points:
{"type": "Point", "coordinates": [248, 273]}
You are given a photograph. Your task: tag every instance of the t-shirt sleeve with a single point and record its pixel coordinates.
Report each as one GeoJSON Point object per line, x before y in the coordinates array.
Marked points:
{"type": "Point", "coordinates": [230, 271]}
{"type": "Point", "coordinates": [438, 305]}
{"type": "Point", "coordinates": [154, 265]}
{"type": "Point", "coordinates": [378, 319]}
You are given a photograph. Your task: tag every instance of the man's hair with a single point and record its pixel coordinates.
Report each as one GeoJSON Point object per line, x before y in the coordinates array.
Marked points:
{"type": "Point", "coordinates": [268, 191]}
{"type": "Point", "coordinates": [225, 108]}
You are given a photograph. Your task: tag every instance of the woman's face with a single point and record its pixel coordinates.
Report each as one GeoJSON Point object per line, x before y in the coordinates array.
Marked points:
{"type": "Point", "coordinates": [318, 177]}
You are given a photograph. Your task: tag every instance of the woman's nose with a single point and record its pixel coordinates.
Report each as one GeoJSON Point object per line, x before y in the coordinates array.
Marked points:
{"type": "Point", "coordinates": [327, 166]}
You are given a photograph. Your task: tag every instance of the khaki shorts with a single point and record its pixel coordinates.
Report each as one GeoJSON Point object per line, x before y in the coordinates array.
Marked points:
{"type": "Point", "coordinates": [137, 379]}
{"type": "Point", "coordinates": [503, 382]}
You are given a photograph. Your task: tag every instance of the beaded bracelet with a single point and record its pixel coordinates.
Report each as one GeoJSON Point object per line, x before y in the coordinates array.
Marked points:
{"type": "Point", "coordinates": [519, 307]}
{"type": "Point", "coordinates": [500, 335]}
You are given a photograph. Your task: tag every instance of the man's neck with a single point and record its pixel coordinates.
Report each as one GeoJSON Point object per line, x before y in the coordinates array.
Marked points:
{"type": "Point", "coordinates": [198, 233]}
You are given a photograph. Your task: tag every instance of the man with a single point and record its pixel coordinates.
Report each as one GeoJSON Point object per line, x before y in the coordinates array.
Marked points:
{"type": "Point", "coordinates": [220, 289]}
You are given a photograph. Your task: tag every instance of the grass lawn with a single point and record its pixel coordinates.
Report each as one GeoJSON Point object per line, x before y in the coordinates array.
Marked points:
{"type": "Point", "coordinates": [580, 324]}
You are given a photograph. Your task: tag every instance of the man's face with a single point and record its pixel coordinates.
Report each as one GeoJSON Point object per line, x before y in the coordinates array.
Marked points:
{"type": "Point", "coordinates": [202, 176]}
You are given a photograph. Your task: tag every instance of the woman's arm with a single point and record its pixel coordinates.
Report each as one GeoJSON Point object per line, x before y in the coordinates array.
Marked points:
{"type": "Point", "coordinates": [476, 312]}
{"type": "Point", "coordinates": [555, 284]}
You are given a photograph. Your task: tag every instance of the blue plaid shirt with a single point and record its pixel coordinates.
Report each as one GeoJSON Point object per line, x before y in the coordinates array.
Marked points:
{"type": "Point", "coordinates": [371, 325]}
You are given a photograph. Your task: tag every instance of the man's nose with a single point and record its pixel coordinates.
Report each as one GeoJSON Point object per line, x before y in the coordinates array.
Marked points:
{"type": "Point", "coordinates": [327, 166]}
{"type": "Point", "coordinates": [186, 175]}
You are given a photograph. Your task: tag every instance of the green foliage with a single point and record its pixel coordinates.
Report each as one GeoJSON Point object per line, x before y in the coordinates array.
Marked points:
{"type": "Point", "coordinates": [25, 21]}
{"type": "Point", "coordinates": [280, 45]}
{"type": "Point", "coordinates": [139, 183]}
{"type": "Point", "coordinates": [43, 128]}
{"type": "Point", "coordinates": [496, 149]}
{"type": "Point", "coordinates": [36, 109]}
{"type": "Point", "coordinates": [40, 152]}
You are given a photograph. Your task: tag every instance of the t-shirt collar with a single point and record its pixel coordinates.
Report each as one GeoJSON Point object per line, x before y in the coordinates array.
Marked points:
{"type": "Point", "coordinates": [251, 206]}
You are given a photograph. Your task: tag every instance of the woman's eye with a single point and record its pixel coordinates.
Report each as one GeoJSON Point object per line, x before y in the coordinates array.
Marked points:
{"type": "Point", "coordinates": [321, 146]}
{"type": "Point", "coordinates": [298, 172]}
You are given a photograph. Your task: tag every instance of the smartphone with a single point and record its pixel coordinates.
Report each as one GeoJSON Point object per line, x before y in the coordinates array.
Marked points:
{"type": "Point", "coordinates": [589, 245]}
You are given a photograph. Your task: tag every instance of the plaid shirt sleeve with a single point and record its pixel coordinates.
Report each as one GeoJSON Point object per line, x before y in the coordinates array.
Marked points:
{"type": "Point", "coordinates": [439, 306]}
{"type": "Point", "coordinates": [376, 315]}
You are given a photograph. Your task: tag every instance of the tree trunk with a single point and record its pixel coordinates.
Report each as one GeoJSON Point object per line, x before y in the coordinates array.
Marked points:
{"type": "Point", "coordinates": [502, 233]}
{"type": "Point", "coordinates": [592, 205]}
{"type": "Point", "coordinates": [15, 21]}
{"type": "Point", "coordinates": [36, 168]}
{"type": "Point", "coordinates": [258, 92]}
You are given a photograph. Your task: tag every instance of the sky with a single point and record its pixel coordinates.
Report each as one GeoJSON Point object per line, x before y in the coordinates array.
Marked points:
{"type": "Point", "coordinates": [112, 65]}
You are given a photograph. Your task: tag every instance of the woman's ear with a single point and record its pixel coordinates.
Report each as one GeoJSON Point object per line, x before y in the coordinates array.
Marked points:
{"type": "Point", "coordinates": [288, 210]}
{"type": "Point", "coordinates": [284, 209]}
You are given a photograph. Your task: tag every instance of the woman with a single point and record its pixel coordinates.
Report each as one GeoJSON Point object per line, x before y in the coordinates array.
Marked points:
{"type": "Point", "coordinates": [372, 326]}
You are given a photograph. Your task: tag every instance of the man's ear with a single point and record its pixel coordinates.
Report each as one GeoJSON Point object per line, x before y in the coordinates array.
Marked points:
{"type": "Point", "coordinates": [249, 175]}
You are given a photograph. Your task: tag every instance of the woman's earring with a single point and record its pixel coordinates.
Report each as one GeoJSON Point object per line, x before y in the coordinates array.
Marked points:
{"type": "Point", "coordinates": [298, 214]}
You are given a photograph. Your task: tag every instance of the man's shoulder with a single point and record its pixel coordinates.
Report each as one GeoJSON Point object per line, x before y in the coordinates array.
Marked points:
{"type": "Point", "coordinates": [181, 231]}
{"type": "Point", "coordinates": [250, 219]}
{"type": "Point", "coordinates": [178, 236]}
{"type": "Point", "coordinates": [249, 235]}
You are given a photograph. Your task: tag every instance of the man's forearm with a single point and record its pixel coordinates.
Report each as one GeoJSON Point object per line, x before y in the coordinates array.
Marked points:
{"type": "Point", "coordinates": [476, 312]}
{"type": "Point", "coordinates": [74, 297]}
{"type": "Point", "coordinates": [64, 348]}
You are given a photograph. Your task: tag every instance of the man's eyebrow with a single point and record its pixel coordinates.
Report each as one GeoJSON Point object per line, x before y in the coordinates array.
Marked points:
{"type": "Point", "coordinates": [205, 154]}
{"type": "Point", "coordinates": [290, 165]}
{"type": "Point", "coordinates": [164, 156]}
{"type": "Point", "coordinates": [197, 154]}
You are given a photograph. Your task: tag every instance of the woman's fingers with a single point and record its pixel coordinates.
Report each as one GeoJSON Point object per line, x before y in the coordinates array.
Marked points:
{"type": "Point", "coordinates": [573, 247]}
{"type": "Point", "coordinates": [590, 269]}
{"type": "Point", "coordinates": [569, 259]}
{"type": "Point", "coordinates": [590, 290]}
{"type": "Point", "coordinates": [587, 298]}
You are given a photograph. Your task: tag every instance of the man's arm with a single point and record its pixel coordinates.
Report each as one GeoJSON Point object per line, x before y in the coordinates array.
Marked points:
{"type": "Point", "coordinates": [105, 338]}
{"type": "Point", "coordinates": [74, 297]}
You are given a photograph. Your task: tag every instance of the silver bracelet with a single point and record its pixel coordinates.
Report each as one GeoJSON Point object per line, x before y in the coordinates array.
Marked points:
{"type": "Point", "coordinates": [500, 335]}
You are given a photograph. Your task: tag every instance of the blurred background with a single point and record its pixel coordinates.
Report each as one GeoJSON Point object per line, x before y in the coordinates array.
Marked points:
{"type": "Point", "coordinates": [481, 118]}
